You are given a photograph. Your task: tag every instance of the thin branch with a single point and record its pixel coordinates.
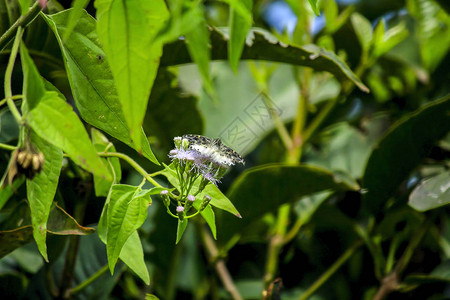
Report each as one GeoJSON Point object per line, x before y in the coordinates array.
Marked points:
{"type": "Point", "coordinates": [22, 21]}
{"type": "Point", "coordinates": [8, 74]}
{"type": "Point", "coordinates": [89, 281]}
{"type": "Point", "coordinates": [219, 264]}
{"type": "Point", "coordinates": [331, 270]}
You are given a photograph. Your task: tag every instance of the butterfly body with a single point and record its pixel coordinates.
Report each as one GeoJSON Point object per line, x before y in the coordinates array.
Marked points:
{"type": "Point", "coordinates": [213, 148]}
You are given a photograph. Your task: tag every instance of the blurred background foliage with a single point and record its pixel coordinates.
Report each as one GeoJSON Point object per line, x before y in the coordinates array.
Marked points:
{"type": "Point", "coordinates": [372, 234]}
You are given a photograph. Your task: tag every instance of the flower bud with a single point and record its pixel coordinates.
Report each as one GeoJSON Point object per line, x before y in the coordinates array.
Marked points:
{"type": "Point", "coordinates": [184, 144]}
{"type": "Point", "coordinates": [180, 211]}
{"type": "Point", "coordinates": [165, 197]}
{"type": "Point", "coordinates": [177, 141]}
{"type": "Point", "coordinates": [191, 198]}
{"type": "Point", "coordinates": [205, 202]}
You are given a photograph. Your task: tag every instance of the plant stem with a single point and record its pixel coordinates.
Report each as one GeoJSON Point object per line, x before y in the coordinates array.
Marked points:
{"type": "Point", "coordinates": [219, 263]}
{"type": "Point", "coordinates": [88, 281]}
{"type": "Point", "coordinates": [133, 164]}
{"type": "Point", "coordinates": [22, 21]}
{"type": "Point", "coordinates": [7, 147]}
{"type": "Point", "coordinates": [331, 270]}
{"type": "Point", "coordinates": [8, 74]}
{"type": "Point", "coordinates": [15, 97]}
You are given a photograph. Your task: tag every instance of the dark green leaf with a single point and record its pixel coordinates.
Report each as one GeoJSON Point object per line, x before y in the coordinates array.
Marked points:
{"type": "Point", "coordinates": [261, 45]}
{"type": "Point", "coordinates": [41, 190]}
{"type": "Point", "coordinates": [440, 274]}
{"type": "Point", "coordinates": [264, 189]}
{"type": "Point", "coordinates": [239, 27]}
{"type": "Point", "coordinates": [431, 193]}
{"type": "Point", "coordinates": [180, 229]}
{"type": "Point", "coordinates": [55, 121]}
{"type": "Point", "coordinates": [126, 212]}
{"type": "Point", "coordinates": [90, 78]}
{"type": "Point", "coordinates": [132, 53]}
{"type": "Point", "coordinates": [402, 149]}
{"type": "Point", "coordinates": [7, 191]}
{"type": "Point", "coordinates": [75, 14]}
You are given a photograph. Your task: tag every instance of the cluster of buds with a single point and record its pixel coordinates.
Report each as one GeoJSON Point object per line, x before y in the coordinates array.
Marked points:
{"type": "Point", "coordinates": [25, 160]}
{"type": "Point", "coordinates": [183, 205]}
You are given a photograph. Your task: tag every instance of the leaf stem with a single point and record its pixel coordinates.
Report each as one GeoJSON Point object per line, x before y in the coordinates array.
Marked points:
{"type": "Point", "coordinates": [89, 281]}
{"type": "Point", "coordinates": [133, 164]}
{"type": "Point", "coordinates": [22, 21]}
{"type": "Point", "coordinates": [7, 147]}
{"type": "Point", "coordinates": [8, 74]}
{"type": "Point", "coordinates": [15, 97]}
{"type": "Point", "coordinates": [331, 270]}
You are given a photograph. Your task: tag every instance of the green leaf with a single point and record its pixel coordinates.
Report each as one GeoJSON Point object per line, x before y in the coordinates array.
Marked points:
{"type": "Point", "coordinates": [239, 27]}
{"type": "Point", "coordinates": [431, 193]}
{"type": "Point", "coordinates": [218, 199]}
{"type": "Point", "coordinates": [151, 297]}
{"type": "Point", "coordinates": [101, 143]}
{"type": "Point", "coordinates": [132, 52]}
{"type": "Point", "coordinates": [265, 188]}
{"type": "Point", "coordinates": [315, 7]}
{"type": "Point", "coordinates": [132, 255]}
{"type": "Point", "coordinates": [403, 147]}
{"type": "Point", "coordinates": [180, 229]}
{"type": "Point", "coordinates": [440, 274]}
{"type": "Point", "coordinates": [363, 30]}
{"type": "Point", "coordinates": [261, 45]}
{"type": "Point", "coordinates": [126, 212]}
{"type": "Point", "coordinates": [24, 6]}
{"type": "Point", "coordinates": [90, 78]}
{"type": "Point", "coordinates": [33, 85]}
{"type": "Point", "coordinates": [41, 190]}
{"type": "Point", "coordinates": [55, 121]}
{"type": "Point", "coordinates": [390, 39]}
{"type": "Point", "coordinates": [75, 14]}
{"type": "Point", "coordinates": [208, 215]}
{"type": "Point", "coordinates": [59, 223]}
{"type": "Point", "coordinates": [241, 8]}
{"type": "Point", "coordinates": [198, 45]}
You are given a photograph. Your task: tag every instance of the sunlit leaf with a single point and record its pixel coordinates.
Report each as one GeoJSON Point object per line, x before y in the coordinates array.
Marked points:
{"type": "Point", "coordinates": [431, 193]}
{"type": "Point", "coordinates": [55, 121]}
{"type": "Point", "coordinates": [90, 78]}
{"type": "Point", "coordinates": [261, 45]}
{"type": "Point", "coordinates": [239, 27]}
{"type": "Point", "coordinates": [132, 53]}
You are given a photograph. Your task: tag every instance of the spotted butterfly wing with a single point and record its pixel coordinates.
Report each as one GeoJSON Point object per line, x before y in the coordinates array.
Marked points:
{"type": "Point", "coordinates": [215, 148]}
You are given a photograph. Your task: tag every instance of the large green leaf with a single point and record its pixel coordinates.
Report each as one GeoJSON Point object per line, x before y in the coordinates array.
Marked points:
{"type": "Point", "coordinates": [41, 190]}
{"type": "Point", "coordinates": [402, 149]}
{"type": "Point", "coordinates": [265, 188]}
{"type": "Point", "coordinates": [431, 193]}
{"type": "Point", "coordinates": [126, 212]}
{"type": "Point", "coordinates": [90, 78]}
{"type": "Point", "coordinates": [132, 52]}
{"type": "Point", "coordinates": [261, 45]}
{"type": "Point", "coordinates": [59, 223]}
{"type": "Point", "coordinates": [363, 30]}
{"type": "Point", "coordinates": [239, 27]}
{"type": "Point", "coordinates": [55, 121]}
{"type": "Point", "coordinates": [132, 253]}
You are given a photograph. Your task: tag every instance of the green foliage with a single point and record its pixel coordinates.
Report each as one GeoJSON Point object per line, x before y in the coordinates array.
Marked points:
{"type": "Point", "coordinates": [344, 134]}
